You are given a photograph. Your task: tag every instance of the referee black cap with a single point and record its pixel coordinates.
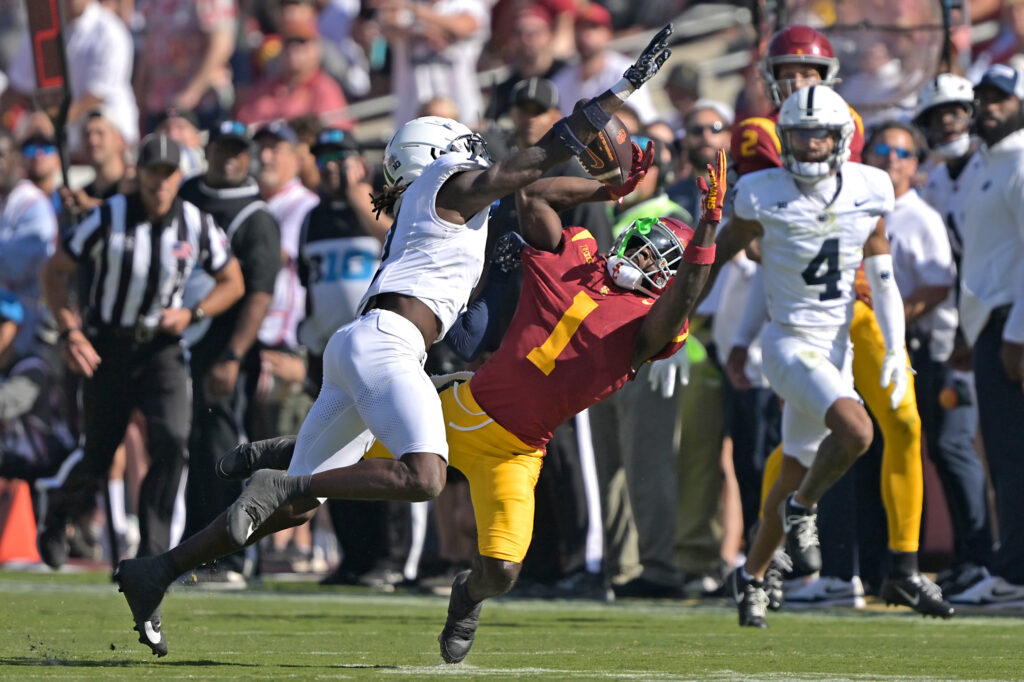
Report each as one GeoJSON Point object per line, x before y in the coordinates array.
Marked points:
{"type": "Point", "coordinates": [159, 150]}
{"type": "Point", "coordinates": [334, 139]}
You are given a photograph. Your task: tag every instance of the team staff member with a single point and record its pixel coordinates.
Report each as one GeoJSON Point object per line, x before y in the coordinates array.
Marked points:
{"type": "Point", "coordinates": [223, 368]}
{"type": "Point", "coordinates": [796, 57]}
{"type": "Point", "coordinates": [127, 343]}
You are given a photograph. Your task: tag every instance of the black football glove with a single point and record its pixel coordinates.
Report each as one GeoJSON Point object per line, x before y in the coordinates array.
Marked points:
{"type": "Point", "coordinates": [506, 252]}
{"type": "Point", "coordinates": [650, 60]}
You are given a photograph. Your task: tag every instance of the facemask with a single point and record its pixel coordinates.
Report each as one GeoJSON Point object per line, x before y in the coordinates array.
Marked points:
{"type": "Point", "coordinates": [954, 149]}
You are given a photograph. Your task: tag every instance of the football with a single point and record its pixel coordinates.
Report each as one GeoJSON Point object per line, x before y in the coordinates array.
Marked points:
{"type": "Point", "coordinates": [609, 156]}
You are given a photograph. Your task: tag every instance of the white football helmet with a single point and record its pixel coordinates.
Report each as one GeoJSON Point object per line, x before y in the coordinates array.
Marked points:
{"type": "Point", "coordinates": [946, 88]}
{"type": "Point", "coordinates": [810, 109]}
{"type": "Point", "coordinates": [418, 143]}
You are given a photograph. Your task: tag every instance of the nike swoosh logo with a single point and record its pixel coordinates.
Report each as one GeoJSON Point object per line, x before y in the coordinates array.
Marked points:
{"type": "Point", "coordinates": [151, 634]}
{"type": "Point", "coordinates": [860, 202]}
{"type": "Point", "coordinates": [913, 600]}
{"type": "Point", "coordinates": [841, 590]}
{"type": "Point", "coordinates": [998, 594]}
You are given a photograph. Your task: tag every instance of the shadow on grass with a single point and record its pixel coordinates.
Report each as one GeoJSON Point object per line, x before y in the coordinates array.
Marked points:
{"type": "Point", "coordinates": [50, 661]}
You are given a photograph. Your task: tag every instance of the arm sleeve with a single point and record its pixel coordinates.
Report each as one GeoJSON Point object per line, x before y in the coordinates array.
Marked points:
{"type": "Point", "coordinates": [468, 336]}
{"type": "Point", "coordinates": [886, 300]}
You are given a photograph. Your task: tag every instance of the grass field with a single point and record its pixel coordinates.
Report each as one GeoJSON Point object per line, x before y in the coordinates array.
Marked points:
{"type": "Point", "coordinates": [77, 626]}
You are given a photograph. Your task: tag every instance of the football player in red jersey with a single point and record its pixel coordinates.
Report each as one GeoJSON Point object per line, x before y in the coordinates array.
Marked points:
{"type": "Point", "coordinates": [798, 56]}
{"type": "Point", "coordinates": [584, 324]}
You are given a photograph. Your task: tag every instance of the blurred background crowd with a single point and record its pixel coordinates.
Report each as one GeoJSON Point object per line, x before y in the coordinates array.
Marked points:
{"type": "Point", "coordinates": [278, 111]}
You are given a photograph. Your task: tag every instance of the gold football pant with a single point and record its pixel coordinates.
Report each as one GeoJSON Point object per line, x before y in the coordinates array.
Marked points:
{"type": "Point", "coordinates": [902, 478]}
{"type": "Point", "coordinates": [502, 472]}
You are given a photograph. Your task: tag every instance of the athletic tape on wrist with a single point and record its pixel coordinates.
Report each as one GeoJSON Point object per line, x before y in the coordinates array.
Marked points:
{"type": "Point", "coordinates": [623, 89]}
{"type": "Point", "coordinates": [597, 116]}
{"type": "Point", "coordinates": [699, 255]}
{"type": "Point", "coordinates": [568, 138]}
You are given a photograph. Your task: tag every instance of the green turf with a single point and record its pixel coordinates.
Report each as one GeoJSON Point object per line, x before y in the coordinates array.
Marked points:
{"type": "Point", "coordinates": [80, 624]}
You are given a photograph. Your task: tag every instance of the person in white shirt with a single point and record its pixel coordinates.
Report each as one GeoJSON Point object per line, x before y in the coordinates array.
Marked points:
{"type": "Point", "coordinates": [818, 216]}
{"type": "Point", "coordinates": [598, 67]}
{"type": "Point", "coordinates": [440, 187]}
{"type": "Point", "coordinates": [992, 316]}
{"type": "Point", "coordinates": [278, 409]}
{"type": "Point", "coordinates": [944, 109]}
{"type": "Point", "coordinates": [99, 55]}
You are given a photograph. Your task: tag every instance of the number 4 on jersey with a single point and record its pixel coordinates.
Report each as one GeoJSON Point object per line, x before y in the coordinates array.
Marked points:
{"type": "Point", "coordinates": [812, 274]}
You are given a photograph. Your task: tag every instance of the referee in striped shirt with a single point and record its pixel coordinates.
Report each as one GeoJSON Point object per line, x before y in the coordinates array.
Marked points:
{"type": "Point", "coordinates": [127, 340]}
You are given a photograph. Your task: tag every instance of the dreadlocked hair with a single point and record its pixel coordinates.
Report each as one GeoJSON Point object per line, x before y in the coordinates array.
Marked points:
{"type": "Point", "coordinates": [385, 201]}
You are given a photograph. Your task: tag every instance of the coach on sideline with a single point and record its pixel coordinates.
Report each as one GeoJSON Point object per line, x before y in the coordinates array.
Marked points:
{"type": "Point", "coordinates": [126, 340]}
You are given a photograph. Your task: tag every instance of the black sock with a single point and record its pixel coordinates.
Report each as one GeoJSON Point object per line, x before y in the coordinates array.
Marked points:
{"type": "Point", "coordinates": [903, 564]}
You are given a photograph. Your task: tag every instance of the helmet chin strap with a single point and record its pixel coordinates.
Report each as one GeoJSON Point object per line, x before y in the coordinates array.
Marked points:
{"type": "Point", "coordinates": [627, 275]}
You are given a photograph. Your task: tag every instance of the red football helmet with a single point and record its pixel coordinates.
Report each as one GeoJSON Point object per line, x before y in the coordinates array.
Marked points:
{"type": "Point", "coordinates": [797, 45]}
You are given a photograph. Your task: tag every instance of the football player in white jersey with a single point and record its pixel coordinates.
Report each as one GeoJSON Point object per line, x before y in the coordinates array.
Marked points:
{"type": "Point", "coordinates": [441, 184]}
{"type": "Point", "coordinates": [818, 217]}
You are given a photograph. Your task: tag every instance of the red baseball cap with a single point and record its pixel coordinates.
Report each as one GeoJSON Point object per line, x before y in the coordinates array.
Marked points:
{"type": "Point", "coordinates": [593, 13]}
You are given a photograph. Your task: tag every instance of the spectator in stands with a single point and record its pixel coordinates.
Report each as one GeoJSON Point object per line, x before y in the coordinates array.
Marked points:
{"type": "Point", "coordinates": [529, 53]}
{"type": "Point", "coordinates": [182, 126]}
{"type": "Point", "coordinates": [99, 56]}
{"type": "Point", "coordinates": [104, 151]}
{"type": "Point", "coordinates": [184, 58]}
{"type": "Point", "coordinates": [683, 89]}
{"type": "Point", "coordinates": [279, 407]}
{"type": "Point", "coordinates": [599, 67]}
{"type": "Point", "coordinates": [301, 88]}
{"type": "Point", "coordinates": [28, 232]}
{"type": "Point", "coordinates": [435, 46]}
{"type": "Point", "coordinates": [1007, 43]}
{"type": "Point", "coordinates": [707, 127]}
{"type": "Point", "coordinates": [223, 360]}
{"type": "Point", "coordinates": [343, 58]}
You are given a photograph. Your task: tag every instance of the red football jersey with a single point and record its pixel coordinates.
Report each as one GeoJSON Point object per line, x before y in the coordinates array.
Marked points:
{"type": "Point", "coordinates": [570, 343]}
{"type": "Point", "coordinates": [755, 144]}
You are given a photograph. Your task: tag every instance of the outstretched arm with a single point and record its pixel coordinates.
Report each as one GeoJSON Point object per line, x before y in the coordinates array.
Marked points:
{"type": "Point", "coordinates": [468, 193]}
{"type": "Point", "coordinates": [670, 312]}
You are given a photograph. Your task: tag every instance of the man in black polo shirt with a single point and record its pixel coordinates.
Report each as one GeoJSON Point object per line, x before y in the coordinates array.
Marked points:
{"type": "Point", "coordinates": [126, 340]}
{"type": "Point", "coordinates": [223, 368]}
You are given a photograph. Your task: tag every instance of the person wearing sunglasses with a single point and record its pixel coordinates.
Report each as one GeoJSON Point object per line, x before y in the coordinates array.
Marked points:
{"type": "Point", "coordinates": [28, 226]}
{"type": "Point", "coordinates": [923, 265]}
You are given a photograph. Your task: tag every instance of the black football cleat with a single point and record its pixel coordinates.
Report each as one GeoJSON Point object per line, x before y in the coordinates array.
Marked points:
{"type": "Point", "coordinates": [801, 528]}
{"type": "Point", "coordinates": [751, 600]}
{"type": "Point", "coordinates": [52, 543]}
{"type": "Point", "coordinates": [775, 577]}
{"type": "Point", "coordinates": [463, 619]}
{"type": "Point", "coordinates": [244, 459]}
{"type": "Point", "coordinates": [917, 592]}
{"type": "Point", "coordinates": [138, 580]}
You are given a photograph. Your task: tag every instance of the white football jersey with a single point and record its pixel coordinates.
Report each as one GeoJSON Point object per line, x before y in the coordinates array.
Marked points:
{"type": "Point", "coordinates": [428, 258]}
{"type": "Point", "coordinates": [810, 251]}
{"type": "Point", "coordinates": [949, 197]}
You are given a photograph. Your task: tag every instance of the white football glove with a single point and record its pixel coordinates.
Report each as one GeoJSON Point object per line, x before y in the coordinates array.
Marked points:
{"type": "Point", "coordinates": [895, 373]}
{"type": "Point", "coordinates": [667, 371]}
